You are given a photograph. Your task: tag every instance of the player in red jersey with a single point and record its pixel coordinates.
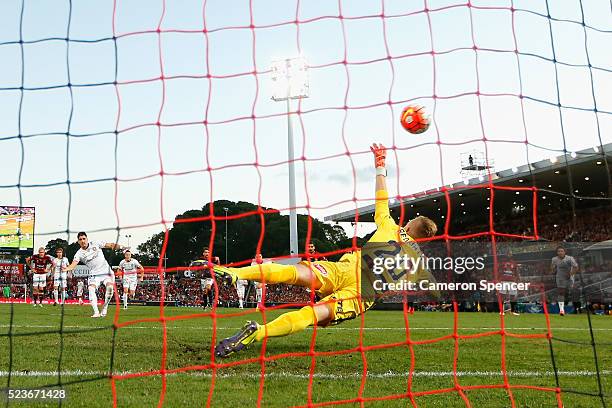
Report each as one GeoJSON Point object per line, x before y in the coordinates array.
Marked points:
{"type": "Point", "coordinates": [312, 251]}
{"type": "Point", "coordinates": [208, 291]}
{"type": "Point", "coordinates": [39, 264]}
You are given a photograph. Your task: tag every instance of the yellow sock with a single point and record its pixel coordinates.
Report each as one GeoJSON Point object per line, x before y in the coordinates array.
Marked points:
{"type": "Point", "coordinates": [273, 273]}
{"type": "Point", "coordinates": [288, 323]}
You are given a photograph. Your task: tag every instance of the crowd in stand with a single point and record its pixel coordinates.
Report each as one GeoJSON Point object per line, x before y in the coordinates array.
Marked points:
{"type": "Point", "coordinates": [593, 225]}
{"type": "Point", "coordinates": [188, 292]}
{"type": "Point", "coordinates": [184, 292]}
{"type": "Point", "coordinates": [16, 290]}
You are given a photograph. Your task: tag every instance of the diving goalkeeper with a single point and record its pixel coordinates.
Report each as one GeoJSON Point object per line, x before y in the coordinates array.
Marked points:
{"type": "Point", "coordinates": [337, 283]}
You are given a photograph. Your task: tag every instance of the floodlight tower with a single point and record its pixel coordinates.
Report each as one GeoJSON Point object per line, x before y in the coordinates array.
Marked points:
{"type": "Point", "coordinates": [290, 81]}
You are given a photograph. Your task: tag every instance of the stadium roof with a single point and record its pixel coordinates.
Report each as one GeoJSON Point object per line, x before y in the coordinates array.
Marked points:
{"type": "Point", "coordinates": [600, 246]}
{"type": "Point", "coordinates": [582, 175]}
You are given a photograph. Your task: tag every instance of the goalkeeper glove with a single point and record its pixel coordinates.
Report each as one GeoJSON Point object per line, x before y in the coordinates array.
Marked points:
{"type": "Point", "coordinates": [380, 154]}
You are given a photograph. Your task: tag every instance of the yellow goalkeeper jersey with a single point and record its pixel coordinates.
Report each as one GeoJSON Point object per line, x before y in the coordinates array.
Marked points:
{"type": "Point", "coordinates": [386, 230]}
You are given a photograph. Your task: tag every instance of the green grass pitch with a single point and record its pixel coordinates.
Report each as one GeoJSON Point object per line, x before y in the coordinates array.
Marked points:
{"type": "Point", "coordinates": [138, 348]}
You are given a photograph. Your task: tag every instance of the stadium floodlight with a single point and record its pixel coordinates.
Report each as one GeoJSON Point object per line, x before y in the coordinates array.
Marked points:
{"type": "Point", "coordinates": [290, 81]}
{"type": "Point", "coordinates": [226, 210]}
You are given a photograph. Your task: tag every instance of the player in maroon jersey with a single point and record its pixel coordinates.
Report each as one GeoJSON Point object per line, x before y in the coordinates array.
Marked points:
{"type": "Point", "coordinates": [312, 251]}
{"type": "Point", "coordinates": [508, 272]}
{"type": "Point", "coordinates": [39, 264]}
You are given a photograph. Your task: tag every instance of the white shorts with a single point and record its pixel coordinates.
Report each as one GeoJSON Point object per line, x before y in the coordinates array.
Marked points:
{"type": "Point", "coordinates": [206, 283]}
{"type": "Point", "coordinates": [96, 280]}
{"type": "Point", "coordinates": [240, 287]}
{"type": "Point", "coordinates": [39, 280]}
{"type": "Point", "coordinates": [130, 282]}
{"type": "Point", "coordinates": [59, 279]}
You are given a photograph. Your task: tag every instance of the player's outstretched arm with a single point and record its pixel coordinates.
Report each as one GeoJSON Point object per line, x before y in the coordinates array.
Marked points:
{"type": "Point", "coordinates": [71, 266]}
{"type": "Point", "coordinates": [380, 155]}
{"type": "Point", "coordinates": [381, 209]}
{"type": "Point", "coordinates": [114, 246]}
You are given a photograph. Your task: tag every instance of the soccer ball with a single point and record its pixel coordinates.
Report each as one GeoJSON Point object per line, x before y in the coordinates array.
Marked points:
{"type": "Point", "coordinates": [414, 120]}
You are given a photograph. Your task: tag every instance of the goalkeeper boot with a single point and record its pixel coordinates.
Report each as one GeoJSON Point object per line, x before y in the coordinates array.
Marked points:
{"type": "Point", "coordinates": [238, 341]}
{"type": "Point", "coordinates": [225, 275]}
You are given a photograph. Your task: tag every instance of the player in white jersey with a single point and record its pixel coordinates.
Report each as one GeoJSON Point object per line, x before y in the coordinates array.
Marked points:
{"type": "Point", "coordinates": [80, 286]}
{"type": "Point", "coordinates": [59, 276]}
{"type": "Point", "coordinates": [100, 272]}
{"type": "Point", "coordinates": [259, 287]}
{"type": "Point", "coordinates": [241, 286]}
{"type": "Point", "coordinates": [132, 272]}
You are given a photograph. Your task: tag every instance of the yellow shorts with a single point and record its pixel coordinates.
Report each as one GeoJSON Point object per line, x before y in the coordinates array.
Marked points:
{"type": "Point", "coordinates": [339, 289]}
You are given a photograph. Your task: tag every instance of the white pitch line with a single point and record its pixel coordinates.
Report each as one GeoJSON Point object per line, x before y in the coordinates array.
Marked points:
{"type": "Point", "coordinates": [158, 327]}
{"type": "Point", "coordinates": [286, 374]}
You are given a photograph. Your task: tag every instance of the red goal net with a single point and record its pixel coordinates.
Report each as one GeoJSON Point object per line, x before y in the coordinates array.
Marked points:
{"type": "Point", "coordinates": [145, 109]}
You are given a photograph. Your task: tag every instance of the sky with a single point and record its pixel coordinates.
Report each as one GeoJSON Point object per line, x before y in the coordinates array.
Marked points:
{"type": "Point", "coordinates": [67, 160]}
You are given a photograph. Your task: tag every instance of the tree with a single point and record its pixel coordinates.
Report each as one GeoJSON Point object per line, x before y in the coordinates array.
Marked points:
{"type": "Point", "coordinates": [69, 249]}
{"type": "Point", "coordinates": [149, 251]}
{"type": "Point", "coordinates": [194, 229]}
{"type": "Point", "coordinates": [56, 243]}
{"type": "Point", "coordinates": [114, 256]}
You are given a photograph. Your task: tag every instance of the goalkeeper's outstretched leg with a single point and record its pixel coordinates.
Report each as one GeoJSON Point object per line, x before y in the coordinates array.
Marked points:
{"type": "Point", "coordinates": [269, 273]}
{"type": "Point", "coordinates": [287, 323]}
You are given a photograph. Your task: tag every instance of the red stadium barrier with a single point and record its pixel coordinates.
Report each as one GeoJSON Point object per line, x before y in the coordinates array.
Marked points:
{"type": "Point", "coordinates": [11, 271]}
{"type": "Point", "coordinates": [46, 301]}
